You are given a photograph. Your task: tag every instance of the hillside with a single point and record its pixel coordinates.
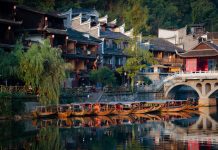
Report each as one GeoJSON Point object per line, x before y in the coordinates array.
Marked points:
{"type": "Point", "coordinates": [145, 15]}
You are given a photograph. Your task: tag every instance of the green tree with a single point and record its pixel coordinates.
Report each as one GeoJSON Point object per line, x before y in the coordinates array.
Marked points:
{"type": "Point", "coordinates": [136, 16]}
{"type": "Point", "coordinates": [10, 61]}
{"type": "Point", "coordinates": [103, 75]}
{"type": "Point", "coordinates": [202, 11]}
{"type": "Point", "coordinates": [43, 68]}
{"type": "Point", "coordinates": [138, 60]}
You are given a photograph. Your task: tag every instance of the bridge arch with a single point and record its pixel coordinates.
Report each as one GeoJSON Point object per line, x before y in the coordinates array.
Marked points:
{"type": "Point", "coordinates": [169, 90]}
{"type": "Point", "coordinates": [215, 90]}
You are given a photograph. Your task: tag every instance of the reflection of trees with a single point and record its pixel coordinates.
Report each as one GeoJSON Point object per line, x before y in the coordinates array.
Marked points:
{"type": "Point", "coordinates": [11, 133]}
{"type": "Point", "coordinates": [47, 139]}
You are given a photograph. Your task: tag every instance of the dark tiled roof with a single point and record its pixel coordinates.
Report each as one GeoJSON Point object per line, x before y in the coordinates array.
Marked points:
{"type": "Point", "coordinates": [202, 52]}
{"type": "Point", "coordinates": [212, 45]}
{"type": "Point", "coordinates": [113, 35]}
{"type": "Point", "coordinates": [159, 44]}
{"type": "Point", "coordinates": [78, 36]}
{"type": "Point", "coordinates": [199, 53]}
{"type": "Point", "coordinates": [12, 22]}
{"type": "Point", "coordinates": [56, 31]}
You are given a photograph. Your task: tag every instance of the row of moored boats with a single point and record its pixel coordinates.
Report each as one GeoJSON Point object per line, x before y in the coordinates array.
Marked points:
{"type": "Point", "coordinates": [112, 108]}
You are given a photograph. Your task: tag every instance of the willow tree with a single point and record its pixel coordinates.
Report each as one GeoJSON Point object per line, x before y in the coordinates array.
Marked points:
{"type": "Point", "coordinates": [138, 59]}
{"type": "Point", "coordinates": [9, 61]}
{"type": "Point", "coordinates": [42, 68]}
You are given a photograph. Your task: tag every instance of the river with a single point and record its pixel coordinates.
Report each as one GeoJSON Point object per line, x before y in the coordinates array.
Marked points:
{"type": "Point", "coordinates": [184, 130]}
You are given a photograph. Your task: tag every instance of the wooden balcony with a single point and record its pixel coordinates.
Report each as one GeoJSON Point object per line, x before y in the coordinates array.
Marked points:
{"type": "Point", "coordinates": [80, 53]}
{"type": "Point", "coordinates": [169, 61]}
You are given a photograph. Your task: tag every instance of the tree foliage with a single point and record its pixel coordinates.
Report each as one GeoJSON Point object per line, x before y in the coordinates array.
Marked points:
{"type": "Point", "coordinates": [139, 59]}
{"type": "Point", "coordinates": [10, 61]}
{"type": "Point", "coordinates": [43, 68]}
{"type": "Point", "coordinates": [145, 16]}
{"type": "Point", "coordinates": [205, 11]}
{"type": "Point", "coordinates": [103, 75]}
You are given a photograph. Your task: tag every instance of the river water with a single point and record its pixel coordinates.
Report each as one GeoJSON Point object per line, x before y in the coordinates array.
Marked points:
{"type": "Point", "coordinates": [191, 130]}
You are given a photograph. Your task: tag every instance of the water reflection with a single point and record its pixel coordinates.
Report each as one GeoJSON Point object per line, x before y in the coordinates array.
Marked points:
{"type": "Point", "coordinates": [183, 130]}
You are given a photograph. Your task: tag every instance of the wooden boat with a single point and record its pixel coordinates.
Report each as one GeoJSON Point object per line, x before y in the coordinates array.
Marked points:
{"type": "Point", "coordinates": [192, 105]}
{"type": "Point", "coordinates": [77, 109]}
{"type": "Point", "coordinates": [44, 111]}
{"type": "Point", "coordinates": [122, 109]}
{"type": "Point", "coordinates": [88, 107]}
{"type": "Point", "coordinates": [64, 111]}
{"type": "Point", "coordinates": [173, 108]}
{"type": "Point", "coordinates": [102, 109]}
{"type": "Point", "coordinates": [171, 105]}
{"type": "Point", "coordinates": [144, 107]}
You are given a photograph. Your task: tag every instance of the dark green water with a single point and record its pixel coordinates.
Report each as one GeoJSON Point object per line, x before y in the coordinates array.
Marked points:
{"type": "Point", "coordinates": [180, 131]}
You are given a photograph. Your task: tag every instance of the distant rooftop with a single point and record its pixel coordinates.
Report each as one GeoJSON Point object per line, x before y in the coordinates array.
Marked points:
{"type": "Point", "coordinates": [160, 44]}
{"type": "Point", "coordinates": [113, 35]}
{"type": "Point", "coordinates": [79, 36]}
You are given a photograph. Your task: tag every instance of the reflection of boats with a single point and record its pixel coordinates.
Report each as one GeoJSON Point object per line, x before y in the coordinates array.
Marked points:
{"type": "Point", "coordinates": [154, 117]}
{"type": "Point", "coordinates": [174, 115]}
{"type": "Point", "coordinates": [44, 123]}
{"type": "Point", "coordinates": [102, 121]}
{"type": "Point", "coordinates": [122, 108]}
{"type": "Point", "coordinates": [123, 119]}
{"type": "Point", "coordinates": [44, 111]}
{"type": "Point", "coordinates": [192, 105]}
{"type": "Point", "coordinates": [185, 122]}
{"type": "Point", "coordinates": [64, 111]}
{"type": "Point", "coordinates": [78, 122]}
{"type": "Point", "coordinates": [102, 109]}
{"type": "Point", "coordinates": [64, 123]}
{"type": "Point", "coordinates": [144, 107]}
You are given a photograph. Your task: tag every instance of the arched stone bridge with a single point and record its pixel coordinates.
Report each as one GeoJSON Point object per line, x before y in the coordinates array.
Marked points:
{"type": "Point", "coordinates": [204, 83]}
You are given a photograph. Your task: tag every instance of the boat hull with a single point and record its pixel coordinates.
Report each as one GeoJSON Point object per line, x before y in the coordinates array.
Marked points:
{"type": "Point", "coordinates": [173, 109]}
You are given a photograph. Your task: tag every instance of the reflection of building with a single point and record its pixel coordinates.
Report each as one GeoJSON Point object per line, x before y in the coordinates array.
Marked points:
{"type": "Point", "coordinates": [203, 57]}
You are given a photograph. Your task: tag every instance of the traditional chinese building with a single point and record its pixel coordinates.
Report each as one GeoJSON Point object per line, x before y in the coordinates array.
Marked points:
{"type": "Point", "coordinates": [38, 25]}
{"type": "Point", "coordinates": [203, 57]}
{"type": "Point", "coordinates": [8, 24]}
{"type": "Point", "coordinates": [112, 36]}
{"type": "Point", "coordinates": [165, 54]}
{"type": "Point", "coordinates": [212, 37]}
{"type": "Point", "coordinates": [180, 37]}
{"type": "Point", "coordinates": [82, 55]}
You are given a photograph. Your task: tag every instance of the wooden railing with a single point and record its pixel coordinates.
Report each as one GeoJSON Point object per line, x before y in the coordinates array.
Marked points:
{"type": "Point", "coordinates": [13, 89]}
{"type": "Point", "coordinates": [167, 60]}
